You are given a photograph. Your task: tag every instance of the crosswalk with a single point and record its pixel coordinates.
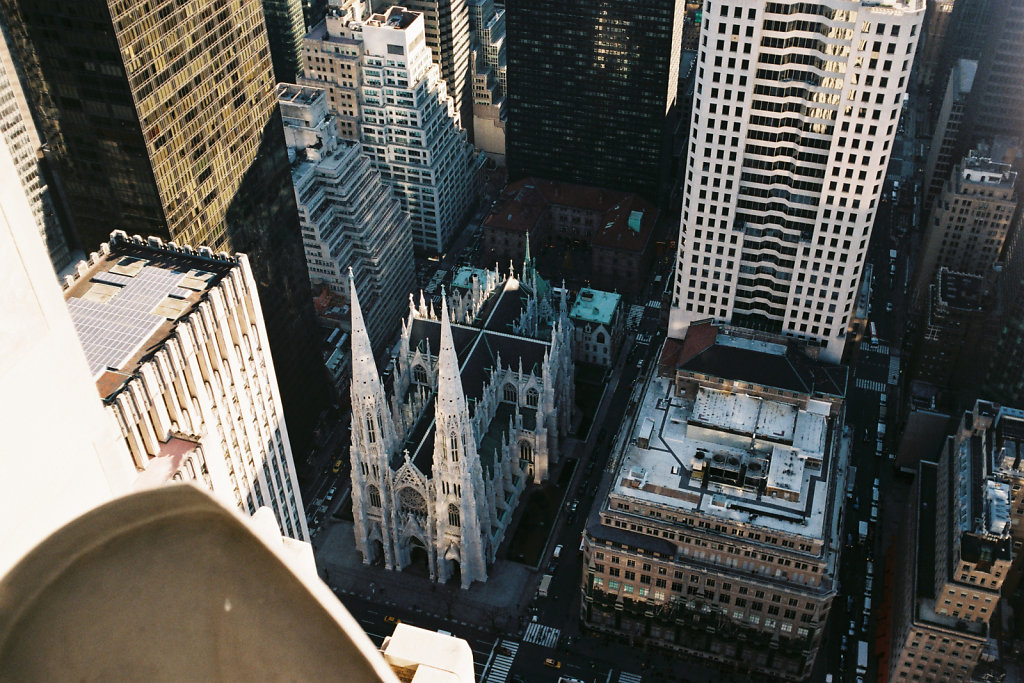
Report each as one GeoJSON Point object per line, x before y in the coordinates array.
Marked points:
{"type": "Point", "coordinates": [636, 314]}
{"type": "Point", "coordinates": [542, 635]}
{"type": "Point", "coordinates": [502, 662]}
{"type": "Point", "coordinates": [654, 303]}
{"type": "Point", "coordinates": [871, 385]}
{"type": "Point", "coordinates": [876, 348]}
{"type": "Point", "coordinates": [894, 370]}
{"type": "Point", "coordinates": [625, 677]}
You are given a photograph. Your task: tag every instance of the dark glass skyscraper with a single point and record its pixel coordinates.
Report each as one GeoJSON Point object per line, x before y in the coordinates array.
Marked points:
{"type": "Point", "coordinates": [285, 29]}
{"type": "Point", "coordinates": [163, 120]}
{"type": "Point", "coordinates": [592, 91]}
{"type": "Point", "coordinates": [996, 103]}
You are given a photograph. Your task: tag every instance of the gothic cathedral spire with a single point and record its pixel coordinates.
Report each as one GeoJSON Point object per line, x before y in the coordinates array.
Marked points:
{"type": "Point", "coordinates": [374, 444]}
{"type": "Point", "coordinates": [458, 476]}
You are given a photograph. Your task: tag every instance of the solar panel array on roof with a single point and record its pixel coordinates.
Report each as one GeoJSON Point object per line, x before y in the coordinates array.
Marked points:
{"type": "Point", "coordinates": [113, 331]}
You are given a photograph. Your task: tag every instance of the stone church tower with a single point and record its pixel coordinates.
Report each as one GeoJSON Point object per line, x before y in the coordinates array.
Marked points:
{"type": "Point", "coordinates": [457, 476]}
{"type": "Point", "coordinates": [374, 432]}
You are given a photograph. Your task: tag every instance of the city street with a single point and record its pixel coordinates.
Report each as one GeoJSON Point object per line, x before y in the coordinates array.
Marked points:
{"type": "Point", "coordinates": [876, 372]}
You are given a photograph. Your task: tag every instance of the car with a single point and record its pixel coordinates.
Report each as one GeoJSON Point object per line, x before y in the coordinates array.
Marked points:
{"type": "Point", "coordinates": [392, 620]}
{"type": "Point", "coordinates": [558, 551]}
{"type": "Point", "coordinates": [553, 663]}
{"type": "Point", "coordinates": [552, 567]}
{"type": "Point", "coordinates": [330, 494]}
{"type": "Point", "coordinates": [853, 628]}
{"type": "Point", "coordinates": [888, 307]}
{"type": "Point", "coordinates": [575, 504]}
{"type": "Point", "coordinates": [337, 465]}
{"type": "Point", "coordinates": [876, 483]}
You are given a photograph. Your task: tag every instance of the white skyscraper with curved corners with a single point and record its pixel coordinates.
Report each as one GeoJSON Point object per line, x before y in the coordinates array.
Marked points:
{"type": "Point", "coordinates": [389, 95]}
{"type": "Point", "coordinates": [794, 112]}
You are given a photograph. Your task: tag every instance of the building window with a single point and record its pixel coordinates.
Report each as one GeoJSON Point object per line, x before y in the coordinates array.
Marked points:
{"type": "Point", "coordinates": [532, 397]}
{"type": "Point", "coordinates": [453, 515]}
{"type": "Point", "coordinates": [453, 446]}
{"type": "Point", "coordinates": [510, 394]}
{"type": "Point", "coordinates": [419, 374]}
{"type": "Point", "coordinates": [525, 451]}
{"type": "Point", "coordinates": [374, 497]}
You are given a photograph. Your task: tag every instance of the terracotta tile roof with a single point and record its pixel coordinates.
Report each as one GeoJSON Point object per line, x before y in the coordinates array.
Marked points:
{"type": "Point", "coordinates": [525, 203]}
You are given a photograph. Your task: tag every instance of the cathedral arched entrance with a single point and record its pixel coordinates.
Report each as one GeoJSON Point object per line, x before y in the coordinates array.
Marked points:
{"type": "Point", "coordinates": [455, 578]}
{"type": "Point", "coordinates": [376, 553]}
{"type": "Point", "coordinates": [419, 558]}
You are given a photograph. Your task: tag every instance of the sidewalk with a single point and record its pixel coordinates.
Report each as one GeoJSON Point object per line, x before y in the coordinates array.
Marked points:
{"type": "Point", "coordinates": [494, 604]}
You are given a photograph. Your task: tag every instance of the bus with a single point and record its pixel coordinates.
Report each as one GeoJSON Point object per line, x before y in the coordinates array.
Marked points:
{"type": "Point", "coordinates": [874, 334]}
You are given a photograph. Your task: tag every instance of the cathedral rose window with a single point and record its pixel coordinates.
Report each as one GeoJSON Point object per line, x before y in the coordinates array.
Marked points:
{"type": "Point", "coordinates": [411, 502]}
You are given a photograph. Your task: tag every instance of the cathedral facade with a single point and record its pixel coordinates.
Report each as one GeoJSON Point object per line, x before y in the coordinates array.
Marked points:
{"type": "Point", "coordinates": [478, 401]}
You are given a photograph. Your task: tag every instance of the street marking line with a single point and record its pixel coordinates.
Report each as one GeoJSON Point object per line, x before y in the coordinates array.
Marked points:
{"type": "Point", "coordinates": [539, 634]}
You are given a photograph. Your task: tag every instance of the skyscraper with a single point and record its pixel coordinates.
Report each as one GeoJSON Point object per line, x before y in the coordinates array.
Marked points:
{"type": "Point", "coordinates": [446, 28]}
{"type": "Point", "coordinates": [787, 157]}
{"type": "Point", "coordinates": [718, 533]}
{"type": "Point", "coordinates": [996, 105]}
{"type": "Point", "coordinates": [968, 224]}
{"type": "Point", "coordinates": [22, 139]}
{"type": "Point", "coordinates": [489, 71]}
{"type": "Point", "coordinates": [934, 40]}
{"type": "Point", "coordinates": [175, 341]}
{"type": "Point", "coordinates": [591, 91]}
{"type": "Point", "coordinates": [285, 28]}
{"type": "Point", "coordinates": [1003, 377]}
{"type": "Point", "coordinates": [388, 94]}
{"type": "Point", "coordinates": [163, 120]}
{"type": "Point", "coordinates": [946, 139]}
{"type": "Point", "coordinates": [955, 550]}
{"type": "Point", "coordinates": [349, 217]}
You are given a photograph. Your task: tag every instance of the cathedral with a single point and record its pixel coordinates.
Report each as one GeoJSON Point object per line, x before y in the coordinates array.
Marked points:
{"type": "Point", "coordinates": [479, 397]}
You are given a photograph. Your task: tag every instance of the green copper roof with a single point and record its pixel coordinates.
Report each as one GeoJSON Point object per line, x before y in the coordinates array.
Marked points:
{"type": "Point", "coordinates": [464, 277]}
{"type": "Point", "coordinates": [595, 306]}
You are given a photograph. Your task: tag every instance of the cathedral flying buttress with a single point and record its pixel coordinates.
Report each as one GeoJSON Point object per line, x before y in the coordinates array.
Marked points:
{"type": "Point", "coordinates": [476, 407]}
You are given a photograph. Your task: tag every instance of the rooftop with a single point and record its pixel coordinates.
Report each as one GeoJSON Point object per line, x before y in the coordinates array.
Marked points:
{"type": "Point", "coordinates": [298, 94]}
{"type": "Point", "coordinates": [127, 298]}
{"type": "Point", "coordinates": [478, 348]}
{"type": "Point", "coordinates": [978, 169]}
{"type": "Point", "coordinates": [398, 18]}
{"type": "Point", "coordinates": [745, 356]}
{"type": "Point", "coordinates": [960, 290]}
{"type": "Point", "coordinates": [627, 221]}
{"type": "Point", "coordinates": [733, 456]}
{"type": "Point", "coordinates": [595, 306]}
{"type": "Point", "coordinates": [429, 656]}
